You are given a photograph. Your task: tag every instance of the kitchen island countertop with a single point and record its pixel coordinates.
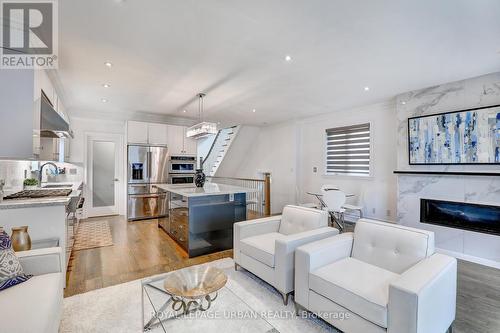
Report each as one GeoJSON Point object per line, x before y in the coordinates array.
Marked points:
{"type": "Point", "coordinates": [208, 189]}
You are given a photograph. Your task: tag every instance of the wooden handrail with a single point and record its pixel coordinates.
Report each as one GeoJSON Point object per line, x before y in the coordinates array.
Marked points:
{"type": "Point", "coordinates": [267, 194]}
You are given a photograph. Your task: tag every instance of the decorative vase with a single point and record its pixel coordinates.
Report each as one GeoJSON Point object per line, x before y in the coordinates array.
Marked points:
{"type": "Point", "coordinates": [199, 178]}
{"type": "Point", "coordinates": [20, 238]}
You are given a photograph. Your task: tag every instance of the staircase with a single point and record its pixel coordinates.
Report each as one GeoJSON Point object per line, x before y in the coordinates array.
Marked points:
{"type": "Point", "coordinates": [220, 146]}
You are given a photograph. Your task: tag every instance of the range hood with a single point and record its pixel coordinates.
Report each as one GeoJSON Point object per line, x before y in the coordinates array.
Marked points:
{"type": "Point", "coordinates": [52, 124]}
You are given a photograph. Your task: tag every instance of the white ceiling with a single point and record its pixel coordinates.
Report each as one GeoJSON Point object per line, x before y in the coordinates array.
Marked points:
{"type": "Point", "coordinates": [165, 52]}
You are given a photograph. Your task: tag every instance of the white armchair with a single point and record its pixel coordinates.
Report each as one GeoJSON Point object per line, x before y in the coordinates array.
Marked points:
{"type": "Point", "coordinates": [35, 305]}
{"type": "Point", "coordinates": [381, 278]}
{"type": "Point", "coordinates": [266, 247]}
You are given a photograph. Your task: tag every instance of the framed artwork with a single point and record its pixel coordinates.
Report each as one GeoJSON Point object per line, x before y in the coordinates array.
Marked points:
{"type": "Point", "coordinates": [469, 136]}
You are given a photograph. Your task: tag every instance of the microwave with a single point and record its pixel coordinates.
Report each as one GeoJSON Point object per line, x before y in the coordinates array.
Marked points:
{"type": "Point", "coordinates": [182, 164]}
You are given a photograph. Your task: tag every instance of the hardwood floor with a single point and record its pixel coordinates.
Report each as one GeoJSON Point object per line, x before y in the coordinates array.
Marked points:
{"type": "Point", "coordinates": [141, 249]}
{"type": "Point", "coordinates": [478, 299]}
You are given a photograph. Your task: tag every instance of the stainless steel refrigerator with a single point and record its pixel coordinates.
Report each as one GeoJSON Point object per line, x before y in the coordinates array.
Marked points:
{"type": "Point", "coordinates": [147, 166]}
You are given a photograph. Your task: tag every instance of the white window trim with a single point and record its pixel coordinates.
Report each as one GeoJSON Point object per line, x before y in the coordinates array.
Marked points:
{"type": "Point", "coordinates": [347, 175]}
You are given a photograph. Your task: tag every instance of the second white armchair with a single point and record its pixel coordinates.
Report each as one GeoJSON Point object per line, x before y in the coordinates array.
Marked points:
{"type": "Point", "coordinates": [266, 247]}
{"type": "Point", "coordinates": [381, 278]}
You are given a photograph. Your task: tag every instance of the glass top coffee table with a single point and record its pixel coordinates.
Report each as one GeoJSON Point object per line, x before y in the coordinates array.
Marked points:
{"type": "Point", "coordinates": [195, 299]}
{"type": "Point", "coordinates": [186, 290]}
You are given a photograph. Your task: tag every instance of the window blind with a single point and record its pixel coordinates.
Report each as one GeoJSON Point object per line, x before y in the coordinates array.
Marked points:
{"type": "Point", "coordinates": [348, 150]}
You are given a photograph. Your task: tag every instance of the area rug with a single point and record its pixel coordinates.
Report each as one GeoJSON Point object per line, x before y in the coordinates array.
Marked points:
{"type": "Point", "coordinates": [92, 234]}
{"type": "Point", "coordinates": [118, 309]}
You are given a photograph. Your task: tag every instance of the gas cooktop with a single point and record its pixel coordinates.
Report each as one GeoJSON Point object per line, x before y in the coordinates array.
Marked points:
{"type": "Point", "coordinates": [34, 194]}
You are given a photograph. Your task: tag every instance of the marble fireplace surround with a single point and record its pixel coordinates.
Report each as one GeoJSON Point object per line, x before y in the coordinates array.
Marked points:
{"type": "Point", "coordinates": [465, 94]}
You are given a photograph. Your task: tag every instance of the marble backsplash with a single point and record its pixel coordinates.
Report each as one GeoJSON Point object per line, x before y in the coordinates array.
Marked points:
{"type": "Point", "coordinates": [14, 173]}
{"type": "Point", "coordinates": [475, 92]}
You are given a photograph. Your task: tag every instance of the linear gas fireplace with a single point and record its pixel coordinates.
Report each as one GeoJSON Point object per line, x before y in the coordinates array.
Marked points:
{"type": "Point", "coordinates": [461, 215]}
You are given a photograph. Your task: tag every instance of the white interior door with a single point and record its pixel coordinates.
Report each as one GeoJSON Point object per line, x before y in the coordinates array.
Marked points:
{"type": "Point", "coordinates": [103, 174]}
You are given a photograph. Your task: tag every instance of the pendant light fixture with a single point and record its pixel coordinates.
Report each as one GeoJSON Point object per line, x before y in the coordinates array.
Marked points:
{"type": "Point", "coordinates": [203, 128]}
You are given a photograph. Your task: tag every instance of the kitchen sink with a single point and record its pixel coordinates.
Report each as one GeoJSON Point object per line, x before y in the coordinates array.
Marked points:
{"type": "Point", "coordinates": [57, 186]}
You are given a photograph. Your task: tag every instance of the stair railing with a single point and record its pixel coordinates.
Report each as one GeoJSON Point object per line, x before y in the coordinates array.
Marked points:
{"type": "Point", "coordinates": [258, 201]}
{"type": "Point", "coordinates": [212, 147]}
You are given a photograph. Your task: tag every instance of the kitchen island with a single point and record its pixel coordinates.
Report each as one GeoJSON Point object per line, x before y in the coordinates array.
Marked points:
{"type": "Point", "coordinates": [200, 219]}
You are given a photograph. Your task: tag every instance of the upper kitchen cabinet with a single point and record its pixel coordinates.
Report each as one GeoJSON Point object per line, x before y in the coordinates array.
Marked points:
{"type": "Point", "coordinates": [19, 117]}
{"type": "Point", "coordinates": [137, 132]}
{"type": "Point", "coordinates": [190, 144]}
{"type": "Point", "coordinates": [175, 141]}
{"type": "Point", "coordinates": [26, 116]}
{"type": "Point", "coordinates": [178, 143]}
{"type": "Point", "coordinates": [158, 134]}
{"type": "Point", "coordinates": [147, 133]}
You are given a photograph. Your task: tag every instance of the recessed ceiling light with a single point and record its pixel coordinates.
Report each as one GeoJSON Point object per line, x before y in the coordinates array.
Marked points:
{"type": "Point", "coordinates": [403, 102]}
{"type": "Point", "coordinates": [184, 111]}
{"type": "Point", "coordinates": [104, 100]}
{"type": "Point", "coordinates": [106, 85]}
{"type": "Point", "coordinates": [108, 64]}
{"type": "Point", "coordinates": [254, 110]}
{"type": "Point", "coordinates": [367, 88]}
{"type": "Point", "coordinates": [288, 58]}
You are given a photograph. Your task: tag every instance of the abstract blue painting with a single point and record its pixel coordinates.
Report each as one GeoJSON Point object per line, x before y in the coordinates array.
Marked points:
{"type": "Point", "coordinates": [460, 137]}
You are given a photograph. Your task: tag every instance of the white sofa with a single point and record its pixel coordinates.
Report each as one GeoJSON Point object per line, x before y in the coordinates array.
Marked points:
{"type": "Point", "coordinates": [266, 246]}
{"type": "Point", "coordinates": [35, 305]}
{"type": "Point", "coordinates": [381, 278]}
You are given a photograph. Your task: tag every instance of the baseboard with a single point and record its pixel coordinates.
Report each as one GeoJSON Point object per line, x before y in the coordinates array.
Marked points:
{"type": "Point", "coordinates": [466, 257]}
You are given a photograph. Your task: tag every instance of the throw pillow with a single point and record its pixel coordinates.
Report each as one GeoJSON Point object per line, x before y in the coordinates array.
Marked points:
{"type": "Point", "coordinates": [11, 271]}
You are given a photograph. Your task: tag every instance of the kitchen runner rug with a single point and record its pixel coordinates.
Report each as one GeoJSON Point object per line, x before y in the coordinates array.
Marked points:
{"type": "Point", "coordinates": [92, 234]}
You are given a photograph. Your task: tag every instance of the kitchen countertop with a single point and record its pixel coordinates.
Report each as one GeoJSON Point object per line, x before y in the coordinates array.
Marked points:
{"type": "Point", "coordinates": [209, 189]}
{"type": "Point", "coordinates": [43, 202]}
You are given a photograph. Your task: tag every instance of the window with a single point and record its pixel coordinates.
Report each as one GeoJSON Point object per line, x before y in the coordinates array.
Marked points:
{"type": "Point", "coordinates": [348, 150]}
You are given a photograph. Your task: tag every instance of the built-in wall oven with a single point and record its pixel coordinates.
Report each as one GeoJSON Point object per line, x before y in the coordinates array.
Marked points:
{"type": "Point", "coordinates": [182, 164]}
{"type": "Point", "coordinates": [181, 178]}
{"type": "Point", "coordinates": [181, 171]}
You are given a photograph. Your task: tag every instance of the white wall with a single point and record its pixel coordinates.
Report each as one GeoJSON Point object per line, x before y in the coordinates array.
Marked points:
{"type": "Point", "coordinates": [376, 193]}
{"type": "Point", "coordinates": [267, 149]}
{"type": "Point", "coordinates": [80, 126]}
{"type": "Point", "coordinates": [290, 151]}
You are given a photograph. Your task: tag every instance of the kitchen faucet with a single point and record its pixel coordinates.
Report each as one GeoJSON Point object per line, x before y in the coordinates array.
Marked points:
{"type": "Point", "coordinates": [41, 169]}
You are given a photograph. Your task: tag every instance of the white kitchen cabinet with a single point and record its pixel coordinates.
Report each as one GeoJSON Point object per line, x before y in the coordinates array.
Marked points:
{"type": "Point", "coordinates": [175, 140]}
{"type": "Point", "coordinates": [190, 144]}
{"type": "Point", "coordinates": [137, 132]}
{"type": "Point", "coordinates": [178, 143]}
{"type": "Point", "coordinates": [20, 94]}
{"type": "Point", "coordinates": [157, 134]}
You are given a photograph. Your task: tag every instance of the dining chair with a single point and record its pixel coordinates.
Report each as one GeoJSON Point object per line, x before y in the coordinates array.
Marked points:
{"type": "Point", "coordinates": [334, 201]}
